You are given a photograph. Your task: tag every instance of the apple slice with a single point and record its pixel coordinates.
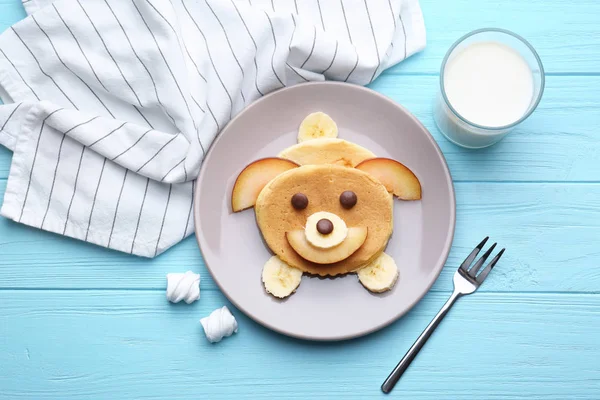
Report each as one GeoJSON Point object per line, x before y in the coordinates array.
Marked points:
{"type": "Point", "coordinates": [397, 178]}
{"type": "Point", "coordinates": [253, 179]}
{"type": "Point", "coordinates": [356, 237]}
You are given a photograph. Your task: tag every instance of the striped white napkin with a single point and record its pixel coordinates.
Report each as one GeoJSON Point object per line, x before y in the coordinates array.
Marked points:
{"type": "Point", "coordinates": [110, 105]}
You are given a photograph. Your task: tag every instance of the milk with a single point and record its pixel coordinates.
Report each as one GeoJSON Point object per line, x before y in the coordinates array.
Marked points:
{"type": "Point", "coordinates": [488, 84]}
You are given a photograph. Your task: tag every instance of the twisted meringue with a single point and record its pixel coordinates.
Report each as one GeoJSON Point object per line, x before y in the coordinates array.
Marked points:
{"type": "Point", "coordinates": [219, 324]}
{"type": "Point", "coordinates": [183, 286]}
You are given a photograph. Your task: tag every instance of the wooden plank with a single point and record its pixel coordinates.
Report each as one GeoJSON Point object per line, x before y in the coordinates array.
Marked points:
{"type": "Point", "coordinates": [558, 143]}
{"type": "Point", "coordinates": [564, 34]}
{"type": "Point", "coordinates": [126, 344]}
{"type": "Point", "coordinates": [551, 232]}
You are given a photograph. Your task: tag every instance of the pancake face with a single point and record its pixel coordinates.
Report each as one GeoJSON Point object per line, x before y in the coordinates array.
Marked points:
{"type": "Point", "coordinates": [322, 185]}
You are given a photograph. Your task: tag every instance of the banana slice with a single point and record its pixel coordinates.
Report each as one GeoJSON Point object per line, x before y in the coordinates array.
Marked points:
{"type": "Point", "coordinates": [279, 278]}
{"type": "Point", "coordinates": [332, 239]}
{"type": "Point", "coordinates": [380, 275]}
{"type": "Point", "coordinates": [317, 125]}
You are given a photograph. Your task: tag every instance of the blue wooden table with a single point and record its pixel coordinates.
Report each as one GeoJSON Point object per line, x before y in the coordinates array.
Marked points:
{"type": "Point", "coordinates": [78, 321]}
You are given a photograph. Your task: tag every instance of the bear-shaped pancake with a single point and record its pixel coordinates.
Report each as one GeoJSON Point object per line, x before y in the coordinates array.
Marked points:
{"type": "Point", "coordinates": [330, 216]}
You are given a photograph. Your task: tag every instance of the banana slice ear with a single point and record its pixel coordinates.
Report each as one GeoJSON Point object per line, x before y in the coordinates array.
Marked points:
{"type": "Point", "coordinates": [254, 178]}
{"type": "Point", "coordinates": [316, 126]}
{"type": "Point", "coordinates": [396, 177]}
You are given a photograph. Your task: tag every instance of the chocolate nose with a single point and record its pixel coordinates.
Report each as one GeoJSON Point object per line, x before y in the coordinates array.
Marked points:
{"type": "Point", "coordinates": [324, 226]}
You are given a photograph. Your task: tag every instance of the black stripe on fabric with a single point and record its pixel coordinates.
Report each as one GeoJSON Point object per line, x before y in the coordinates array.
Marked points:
{"type": "Point", "coordinates": [83, 148]}
{"type": "Point", "coordinates": [182, 41]}
{"type": "Point", "coordinates": [20, 76]}
{"type": "Point", "coordinates": [189, 212]}
{"type": "Point", "coordinates": [166, 64]}
{"type": "Point", "coordinates": [193, 62]}
{"type": "Point", "coordinates": [404, 32]}
{"type": "Point", "coordinates": [230, 47]}
{"type": "Point", "coordinates": [349, 37]}
{"type": "Point", "coordinates": [255, 47]}
{"type": "Point", "coordinates": [37, 146]}
{"type": "Point", "coordinates": [10, 116]}
{"type": "Point", "coordinates": [109, 53]}
{"type": "Point", "coordinates": [346, 20]}
{"type": "Point", "coordinates": [87, 232]}
{"type": "Point", "coordinates": [137, 226]}
{"type": "Point", "coordinates": [171, 170]}
{"type": "Point", "coordinates": [83, 123]}
{"type": "Point", "coordinates": [198, 131]}
{"type": "Point", "coordinates": [155, 154]}
{"type": "Point", "coordinates": [274, 50]}
{"type": "Point", "coordinates": [273, 5]}
{"type": "Point", "coordinates": [392, 12]}
{"type": "Point", "coordinates": [296, 72]}
{"type": "Point", "coordinates": [321, 14]}
{"type": "Point", "coordinates": [296, 6]}
{"type": "Point", "coordinates": [213, 116]}
{"type": "Point", "coordinates": [117, 209]}
{"type": "Point", "coordinates": [116, 65]}
{"type": "Point", "coordinates": [80, 49]}
{"type": "Point", "coordinates": [198, 105]}
{"type": "Point", "coordinates": [67, 67]}
{"type": "Point", "coordinates": [162, 225]}
{"type": "Point", "coordinates": [374, 41]}
{"type": "Point", "coordinates": [312, 49]}
{"type": "Point", "coordinates": [353, 69]}
{"type": "Point", "coordinates": [53, 180]}
{"type": "Point", "coordinates": [185, 172]}
{"type": "Point", "coordinates": [293, 32]}
{"type": "Point", "coordinates": [130, 147]}
{"type": "Point", "coordinates": [42, 70]}
{"type": "Point", "coordinates": [210, 58]}
{"type": "Point", "coordinates": [76, 176]}
{"type": "Point", "coordinates": [108, 134]}
{"type": "Point", "coordinates": [333, 59]}
{"type": "Point", "coordinates": [142, 63]}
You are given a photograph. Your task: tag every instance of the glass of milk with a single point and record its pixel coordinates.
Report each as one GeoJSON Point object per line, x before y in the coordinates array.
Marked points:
{"type": "Point", "coordinates": [491, 80]}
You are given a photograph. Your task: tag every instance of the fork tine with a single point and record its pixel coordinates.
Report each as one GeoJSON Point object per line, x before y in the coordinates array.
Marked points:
{"type": "Point", "coordinates": [465, 265]}
{"type": "Point", "coordinates": [479, 263]}
{"type": "Point", "coordinates": [491, 265]}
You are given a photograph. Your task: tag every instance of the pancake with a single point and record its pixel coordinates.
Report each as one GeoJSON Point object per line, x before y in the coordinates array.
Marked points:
{"type": "Point", "coordinates": [323, 184]}
{"type": "Point", "coordinates": [327, 151]}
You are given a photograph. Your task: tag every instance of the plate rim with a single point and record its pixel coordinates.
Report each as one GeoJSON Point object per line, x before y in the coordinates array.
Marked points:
{"type": "Point", "coordinates": [437, 268]}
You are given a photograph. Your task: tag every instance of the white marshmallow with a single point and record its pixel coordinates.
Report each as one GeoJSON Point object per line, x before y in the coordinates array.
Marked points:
{"type": "Point", "coordinates": [183, 286]}
{"type": "Point", "coordinates": [219, 324]}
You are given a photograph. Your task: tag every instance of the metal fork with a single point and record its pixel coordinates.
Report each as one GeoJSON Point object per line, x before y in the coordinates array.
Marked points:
{"type": "Point", "coordinates": [466, 281]}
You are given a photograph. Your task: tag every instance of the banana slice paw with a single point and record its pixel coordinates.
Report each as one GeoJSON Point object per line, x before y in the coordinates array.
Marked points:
{"type": "Point", "coordinates": [279, 278]}
{"type": "Point", "coordinates": [380, 275]}
{"type": "Point", "coordinates": [317, 125]}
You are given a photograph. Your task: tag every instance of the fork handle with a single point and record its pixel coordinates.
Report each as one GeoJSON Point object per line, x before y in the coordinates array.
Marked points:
{"type": "Point", "coordinates": [410, 355]}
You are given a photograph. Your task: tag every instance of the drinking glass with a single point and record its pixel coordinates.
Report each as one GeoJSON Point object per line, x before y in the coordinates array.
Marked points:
{"type": "Point", "coordinates": [461, 130]}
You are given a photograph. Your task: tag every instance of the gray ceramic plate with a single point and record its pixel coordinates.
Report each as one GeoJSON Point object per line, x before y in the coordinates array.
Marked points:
{"type": "Point", "coordinates": [324, 309]}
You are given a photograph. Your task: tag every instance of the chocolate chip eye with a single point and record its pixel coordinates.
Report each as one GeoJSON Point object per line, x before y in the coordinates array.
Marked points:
{"type": "Point", "coordinates": [299, 201]}
{"type": "Point", "coordinates": [348, 199]}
